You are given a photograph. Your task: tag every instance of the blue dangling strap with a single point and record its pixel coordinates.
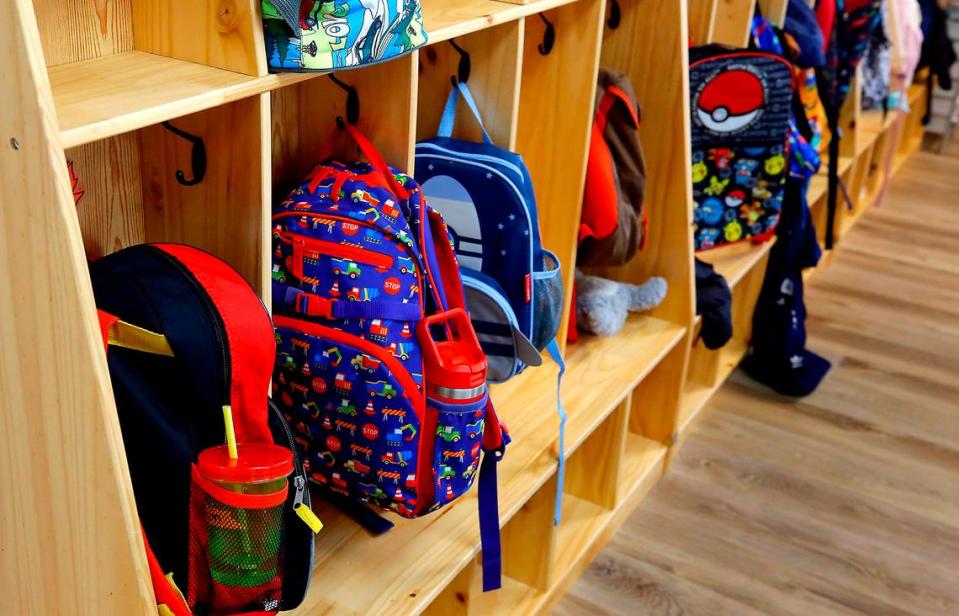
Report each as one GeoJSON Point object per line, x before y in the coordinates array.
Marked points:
{"type": "Point", "coordinates": [449, 112]}
{"type": "Point", "coordinates": [492, 557]}
{"type": "Point", "coordinates": [553, 349]}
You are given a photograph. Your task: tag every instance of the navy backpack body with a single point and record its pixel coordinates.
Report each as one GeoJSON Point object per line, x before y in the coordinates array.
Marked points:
{"type": "Point", "coordinates": [513, 288]}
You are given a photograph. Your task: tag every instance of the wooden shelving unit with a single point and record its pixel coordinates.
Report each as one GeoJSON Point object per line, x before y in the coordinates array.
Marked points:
{"type": "Point", "coordinates": [91, 82]}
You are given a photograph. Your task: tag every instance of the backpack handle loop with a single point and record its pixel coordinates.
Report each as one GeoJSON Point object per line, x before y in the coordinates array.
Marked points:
{"type": "Point", "coordinates": [449, 112]}
{"type": "Point", "coordinates": [368, 150]}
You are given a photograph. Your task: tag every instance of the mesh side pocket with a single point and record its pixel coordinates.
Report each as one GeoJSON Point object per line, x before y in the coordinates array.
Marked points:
{"type": "Point", "coordinates": [548, 301]}
{"type": "Point", "coordinates": [235, 544]}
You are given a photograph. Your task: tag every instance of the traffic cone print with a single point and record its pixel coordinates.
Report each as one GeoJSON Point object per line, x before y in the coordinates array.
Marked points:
{"type": "Point", "coordinates": [405, 332]}
{"type": "Point", "coordinates": [369, 410]}
{"type": "Point", "coordinates": [306, 368]}
{"type": "Point", "coordinates": [449, 492]}
{"type": "Point", "coordinates": [335, 289]}
{"type": "Point", "coordinates": [398, 496]}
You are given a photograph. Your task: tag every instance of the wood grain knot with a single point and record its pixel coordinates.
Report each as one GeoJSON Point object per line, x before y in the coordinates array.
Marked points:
{"type": "Point", "coordinates": [227, 16]}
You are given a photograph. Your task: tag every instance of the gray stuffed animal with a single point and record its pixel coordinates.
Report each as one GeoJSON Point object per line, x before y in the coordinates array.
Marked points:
{"type": "Point", "coordinates": [601, 304]}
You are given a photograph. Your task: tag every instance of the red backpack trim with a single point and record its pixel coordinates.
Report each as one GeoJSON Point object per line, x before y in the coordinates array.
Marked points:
{"type": "Point", "coordinates": [246, 323]}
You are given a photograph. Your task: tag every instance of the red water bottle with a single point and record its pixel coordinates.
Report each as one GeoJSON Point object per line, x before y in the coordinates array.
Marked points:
{"type": "Point", "coordinates": [455, 368]}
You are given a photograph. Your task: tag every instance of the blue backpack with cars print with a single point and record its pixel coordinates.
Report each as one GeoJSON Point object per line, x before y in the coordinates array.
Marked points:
{"type": "Point", "coordinates": [379, 371]}
{"type": "Point", "coordinates": [514, 291]}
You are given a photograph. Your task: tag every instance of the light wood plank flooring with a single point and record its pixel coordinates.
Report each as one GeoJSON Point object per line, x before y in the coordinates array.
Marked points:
{"type": "Point", "coordinates": [845, 502]}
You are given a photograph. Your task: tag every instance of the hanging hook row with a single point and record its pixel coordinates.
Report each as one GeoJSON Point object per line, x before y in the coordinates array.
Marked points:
{"type": "Point", "coordinates": [197, 156]}
{"type": "Point", "coordinates": [465, 66]}
{"type": "Point", "coordinates": [615, 15]}
{"type": "Point", "coordinates": [549, 36]}
{"type": "Point", "coordinates": [352, 102]}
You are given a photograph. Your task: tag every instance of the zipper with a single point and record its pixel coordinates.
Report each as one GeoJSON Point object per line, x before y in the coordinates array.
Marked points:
{"type": "Point", "coordinates": [310, 248]}
{"type": "Point", "coordinates": [420, 265]}
{"type": "Point", "coordinates": [424, 487]}
{"type": "Point", "coordinates": [406, 248]}
{"type": "Point", "coordinates": [303, 511]}
{"type": "Point", "coordinates": [485, 157]}
{"type": "Point", "coordinates": [396, 369]}
{"type": "Point", "coordinates": [215, 319]}
{"type": "Point", "coordinates": [519, 197]}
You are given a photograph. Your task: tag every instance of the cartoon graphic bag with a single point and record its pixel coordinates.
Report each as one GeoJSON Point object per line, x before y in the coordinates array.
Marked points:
{"type": "Point", "coordinates": [741, 102]}
{"type": "Point", "coordinates": [379, 371]}
{"type": "Point", "coordinates": [210, 550]}
{"type": "Point", "coordinates": [315, 35]}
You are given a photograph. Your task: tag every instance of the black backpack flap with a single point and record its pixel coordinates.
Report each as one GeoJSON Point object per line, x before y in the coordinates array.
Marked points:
{"type": "Point", "coordinates": [169, 407]}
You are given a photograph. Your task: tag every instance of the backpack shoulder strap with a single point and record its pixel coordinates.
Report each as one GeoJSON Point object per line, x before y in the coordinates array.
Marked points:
{"type": "Point", "coordinates": [448, 119]}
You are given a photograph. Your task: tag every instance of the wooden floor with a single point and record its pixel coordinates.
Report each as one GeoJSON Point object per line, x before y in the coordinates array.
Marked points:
{"type": "Point", "coordinates": [845, 502]}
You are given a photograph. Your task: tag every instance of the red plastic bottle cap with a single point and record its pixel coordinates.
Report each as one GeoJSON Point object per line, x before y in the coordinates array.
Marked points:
{"type": "Point", "coordinates": [257, 462]}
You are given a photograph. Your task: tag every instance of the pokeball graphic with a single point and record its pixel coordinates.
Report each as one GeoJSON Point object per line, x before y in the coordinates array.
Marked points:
{"type": "Point", "coordinates": [730, 101]}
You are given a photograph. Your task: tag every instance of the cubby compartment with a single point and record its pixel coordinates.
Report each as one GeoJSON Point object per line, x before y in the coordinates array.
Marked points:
{"type": "Point", "coordinates": [140, 187]}
{"type": "Point", "coordinates": [305, 115]}
{"type": "Point", "coordinates": [120, 65]}
{"type": "Point", "coordinates": [743, 266]}
{"type": "Point", "coordinates": [494, 57]}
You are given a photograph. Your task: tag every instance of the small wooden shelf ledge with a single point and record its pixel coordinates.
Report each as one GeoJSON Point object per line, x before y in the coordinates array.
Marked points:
{"type": "Point", "coordinates": [735, 261]}
{"type": "Point", "coordinates": [695, 394]}
{"type": "Point", "coordinates": [122, 92]}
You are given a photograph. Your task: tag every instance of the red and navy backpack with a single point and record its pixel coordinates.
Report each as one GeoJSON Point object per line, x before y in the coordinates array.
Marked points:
{"type": "Point", "coordinates": [367, 298]}
{"type": "Point", "coordinates": [217, 351]}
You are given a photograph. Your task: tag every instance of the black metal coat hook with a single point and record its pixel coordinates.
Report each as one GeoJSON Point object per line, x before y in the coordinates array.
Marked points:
{"type": "Point", "coordinates": [352, 102]}
{"type": "Point", "coordinates": [197, 156]}
{"type": "Point", "coordinates": [549, 37]}
{"type": "Point", "coordinates": [615, 15]}
{"type": "Point", "coordinates": [465, 66]}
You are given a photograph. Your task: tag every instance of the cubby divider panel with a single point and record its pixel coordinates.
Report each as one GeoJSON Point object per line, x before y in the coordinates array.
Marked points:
{"type": "Point", "coordinates": [495, 59]}
{"type": "Point", "coordinates": [555, 115]}
{"type": "Point", "coordinates": [227, 213]}
{"type": "Point", "coordinates": [592, 472]}
{"type": "Point", "coordinates": [651, 47]}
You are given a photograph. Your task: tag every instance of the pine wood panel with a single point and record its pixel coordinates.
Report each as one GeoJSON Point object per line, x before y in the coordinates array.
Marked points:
{"type": "Point", "coordinates": [593, 471]}
{"type": "Point", "coordinates": [844, 502]}
{"type": "Point", "coordinates": [75, 30]}
{"type": "Point", "coordinates": [227, 213]}
{"type": "Point", "coordinates": [702, 17]}
{"type": "Point", "coordinates": [111, 211]}
{"type": "Point", "coordinates": [305, 115]}
{"type": "Point", "coordinates": [733, 20]}
{"type": "Point", "coordinates": [71, 543]}
{"type": "Point", "coordinates": [123, 92]}
{"type": "Point", "coordinates": [567, 74]}
{"type": "Point", "coordinates": [650, 46]}
{"type": "Point", "coordinates": [495, 58]}
{"type": "Point", "coordinates": [226, 34]}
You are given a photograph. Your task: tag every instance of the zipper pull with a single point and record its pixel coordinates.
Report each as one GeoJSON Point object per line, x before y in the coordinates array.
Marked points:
{"type": "Point", "coordinates": [299, 507]}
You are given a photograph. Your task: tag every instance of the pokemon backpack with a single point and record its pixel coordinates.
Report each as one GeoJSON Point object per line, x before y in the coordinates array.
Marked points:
{"type": "Point", "coordinates": [314, 35]}
{"type": "Point", "coordinates": [379, 370]}
{"type": "Point", "coordinates": [741, 102]}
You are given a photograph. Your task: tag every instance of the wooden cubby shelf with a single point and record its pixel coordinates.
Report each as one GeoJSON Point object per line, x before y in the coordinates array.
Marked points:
{"type": "Point", "coordinates": [93, 81]}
